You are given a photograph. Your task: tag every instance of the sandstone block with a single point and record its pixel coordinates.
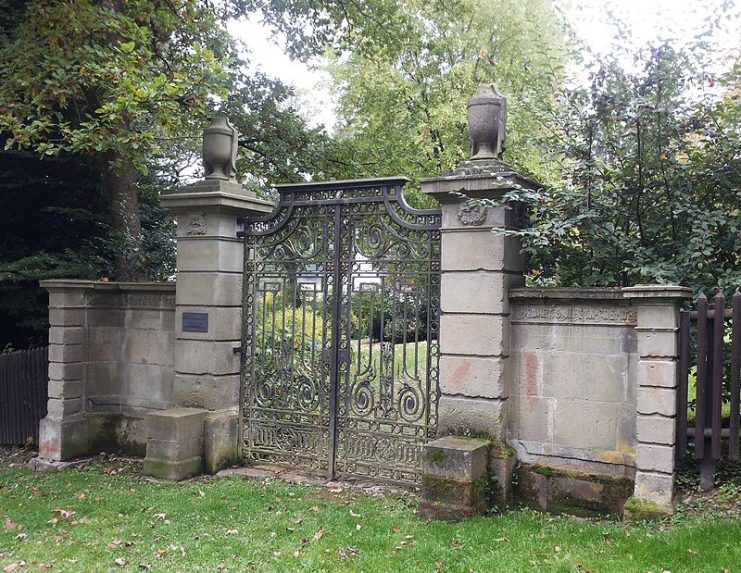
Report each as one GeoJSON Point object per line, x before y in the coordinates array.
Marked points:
{"type": "Point", "coordinates": [661, 401]}
{"type": "Point", "coordinates": [477, 416]}
{"type": "Point", "coordinates": [65, 389]}
{"type": "Point", "coordinates": [108, 317]}
{"type": "Point", "coordinates": [176, 424]}
{"type": "Point", "coordinates": [459, 459]}
{"type": "Point", "coordinates": [65, 335]}
{"type": "Point", "coordinates": [66, 299]}
{"type": "Point", "coordinates": [532, 419]}
{"type": "Point", "coordinates": [476, 292]}
{"type": "Point", "coordinates": [65, 371]}
{"type": "Point", "coordinates": [199, 254]}
{"type": "Point", "coordinates": [655, 458]}
{"type": "Point", "coordinates": [220, 446]}
{"type": "Point", "coordinates": [480, 249]}
{"type": "Point", "coordinates": [206, 391]}
{"type": "Point", "coordinates": [65, 353]}
{"type": "Point", "coordinates": [204, 289]}
{"type": "Point", "coordinates": [60, 408]}
{"type": "Point", "coordinates": [105, 344]}
{"type": "Point", "coordinates": [657, 343]}
{"type": "Point", "coordinates": [659, 373]}
{"type": "Point", "coordinates": [66, 316]}
{"type": "Point", "coordinates": [585, 424]}
{"type": "Point", "coordinates": [585, 376]}
{"type": "Point", "coordinates": [63, 440]}
{"type": "Point", "coordinates": [145, 319]}
{"type": "Point", "coordinates": [195, 357]}
{"type": "Point", "coordinates": [472, 334]}
{"type": "Point", "coordinates": [172, 470]}
{"type": "Point", "coordinates": [656, 430]}
{"type": "Point", "coordinates": [472, 376]}
{"type": "Point", "coordinates": [657, 488]}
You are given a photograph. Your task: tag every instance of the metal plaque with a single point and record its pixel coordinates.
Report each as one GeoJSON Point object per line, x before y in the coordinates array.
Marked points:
{"type": "Point", "coordinates": [195, 322]}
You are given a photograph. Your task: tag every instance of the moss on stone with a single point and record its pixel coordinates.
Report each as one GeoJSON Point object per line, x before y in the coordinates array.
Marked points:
{"type": "Point", "coordinates": [641, 509]}
{"type": "Point", "coordinates": [436, 457]}
{"type": "Point", "coordinates": [436, 488]}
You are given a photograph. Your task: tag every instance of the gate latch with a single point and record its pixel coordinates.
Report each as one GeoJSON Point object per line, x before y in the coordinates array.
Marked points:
{"type": "Point", "coordinates": [242, 351]}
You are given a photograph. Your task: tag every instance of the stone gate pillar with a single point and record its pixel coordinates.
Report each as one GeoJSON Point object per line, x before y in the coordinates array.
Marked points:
{"type": "Point", "coordinates": [479, 266]}
{"type": "Point", "coordinates": [658, 347]}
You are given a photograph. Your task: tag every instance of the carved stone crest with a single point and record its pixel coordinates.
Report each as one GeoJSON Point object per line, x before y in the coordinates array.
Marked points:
{"type": "Point", "coordinates": [196, 224]}
{"type": "Point", "coordinates": [472, 215]}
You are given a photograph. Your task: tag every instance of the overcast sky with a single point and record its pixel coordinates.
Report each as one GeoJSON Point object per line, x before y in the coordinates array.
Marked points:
{"type": "Point", "coordinates": [648, 20]}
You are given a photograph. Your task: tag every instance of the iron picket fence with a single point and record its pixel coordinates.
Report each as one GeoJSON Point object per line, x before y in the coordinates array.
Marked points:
{"type": "Point", "coordinates": [23, 395]}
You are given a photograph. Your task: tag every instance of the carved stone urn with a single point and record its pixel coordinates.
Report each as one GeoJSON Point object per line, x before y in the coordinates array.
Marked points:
{"type": "Point", "coordinates": [487, 118]}
{"type": "Point", "coordinates": [220, 150]}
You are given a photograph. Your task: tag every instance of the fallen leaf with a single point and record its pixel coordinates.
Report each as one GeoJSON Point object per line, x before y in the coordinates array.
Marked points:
{"type": "Point", "coordinates": [438, 566]}
{"type": "Point", "coordinates": [10, 525]}
{"type": "Point", "coordinates": [63, 513]}
{"type": "Point", "coordinates": [160, 515]}
{"type": "Point", "coordinates": [396, 529]}
{"type": "Point", "coordinates": [299, 520]}
{"type": "Point", "coordinates": [81, 496]}
{"type": "Point", "coordinates": [319, 534]}
{"type": "Point", "coordinates": [230, 532]}
{"type": "Point", "coordinates": [144, 566]}
{"type": "Point", "coordinates": [21, 537]}
{"type": "Point", "coordinates": [14, 567]}
{"type": "Point", "coordinates": [121, 562]}
{"type": "Point", "coordinates": [314, 509]}
{"type": "Point", "coordinates": [353, 514]}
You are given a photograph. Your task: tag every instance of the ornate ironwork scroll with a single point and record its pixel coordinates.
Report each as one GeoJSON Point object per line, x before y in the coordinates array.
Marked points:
{"type": "Point", "coordinates": [340, 331]}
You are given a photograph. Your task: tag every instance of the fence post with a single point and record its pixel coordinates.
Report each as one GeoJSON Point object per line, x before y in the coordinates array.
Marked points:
{"type": "Point", "coordinates": [658, 348]}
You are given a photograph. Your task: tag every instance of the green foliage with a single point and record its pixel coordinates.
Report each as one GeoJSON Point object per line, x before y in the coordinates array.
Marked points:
{"type": "Point", "coordinates": [651, 170]}
{"type": "Point", "coordinates": [403, 102]}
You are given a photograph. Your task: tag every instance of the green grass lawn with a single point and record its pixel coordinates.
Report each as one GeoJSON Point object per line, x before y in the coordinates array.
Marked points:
{"type": "Point", "coordinates": [105, 517]}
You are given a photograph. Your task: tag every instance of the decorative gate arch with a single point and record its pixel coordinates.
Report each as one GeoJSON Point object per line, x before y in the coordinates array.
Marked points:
{"type": "Point", "coordinates": [340, 331]}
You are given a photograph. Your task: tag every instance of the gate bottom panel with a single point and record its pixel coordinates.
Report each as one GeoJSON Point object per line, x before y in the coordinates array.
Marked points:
{"type": "Point", "coordinates": [299, 445]}
{"type": "Point", "coordinates": [378, 456]}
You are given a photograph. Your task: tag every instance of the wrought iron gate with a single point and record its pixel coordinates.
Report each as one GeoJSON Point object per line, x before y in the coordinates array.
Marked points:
{"type": "Point", "coordinates": [340, 331]}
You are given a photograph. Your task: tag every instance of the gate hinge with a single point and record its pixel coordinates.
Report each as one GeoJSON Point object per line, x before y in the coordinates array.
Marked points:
{"type": "Point", "coordinates": [242, 351]}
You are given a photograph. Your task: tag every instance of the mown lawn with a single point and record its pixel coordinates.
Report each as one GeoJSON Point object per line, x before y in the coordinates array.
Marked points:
{"type": "Point", "coordinates": [105, 517]}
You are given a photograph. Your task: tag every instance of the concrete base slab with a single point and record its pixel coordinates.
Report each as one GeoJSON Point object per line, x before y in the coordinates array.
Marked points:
{"type": "Point", "coordinates": [41, 465]}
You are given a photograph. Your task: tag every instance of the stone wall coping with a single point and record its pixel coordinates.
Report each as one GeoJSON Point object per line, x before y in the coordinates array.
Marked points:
{"type": "Point", "coordinates": [657, 291]}
{"type": "Point", "coordinates": [479, 185]}
{"type": "Point", "coordinates": [589, 294]}
{"type": "Point", "coordinates": [215, 200]}
{"type": "Point", "coordinates": [75, 284]}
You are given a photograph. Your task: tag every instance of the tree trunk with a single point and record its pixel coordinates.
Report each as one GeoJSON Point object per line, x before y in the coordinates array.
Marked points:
{"type": "Point", "coordinates": [125, 218]}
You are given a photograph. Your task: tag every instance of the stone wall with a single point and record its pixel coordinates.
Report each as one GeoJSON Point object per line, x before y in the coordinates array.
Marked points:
{"type": "Point", "coordinates": [111, 362]}
{"type": "Point", "coordinates": [574, 379]}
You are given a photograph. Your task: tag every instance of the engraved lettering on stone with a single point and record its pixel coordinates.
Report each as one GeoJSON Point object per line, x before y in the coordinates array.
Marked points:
{"type": "Point", "coordinates": [472, 215]}
{"type": "Point", "coordinates": [574, 314]}
{"type": "Point", "coordinates": [197, 224]}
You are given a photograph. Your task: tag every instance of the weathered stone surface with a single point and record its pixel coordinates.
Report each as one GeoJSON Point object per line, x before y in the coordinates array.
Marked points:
{"type": "Point", "coordinates": [65, 371]}
{"type": "Point", "coordinates": [176, 424]}
{"type": "Point", "coordinates": [110, 317]}
{"type": "Point", "coordinates": [472, 334]}
{"type": "Point", "coordinates": [585, 424]}
{"type": "Point", "coordinates": [585, 376]}
{"type": "Point", "coordinates": [195, 357]}
{"type": "Point", "coordinates": [149, 347]}
{"type": "Point", "coordinates": [65, 353]}
{"type": "Point", "coordinates": [480, 249]}
{"type": "Point", "coordinates": [63, 439]}
{"type": "Point", "coordinates": [66, 316]}
{"type": "Point", "coordinates": [656, 430]}
{"type": "Point", "coordinates": [197, 289]}
{"type": "Point", "coordinates": [502, 463]}
{"type": "Point", "coordinates": [180, 449]}
{"type": "Point", "coordinates": [105, 344]}
{"type": "Point", "coordinates": [618, 463]}
{"type": "Point", "coordinates": [477, 292]}
{"type": "Point", "coordinates": [576, 493]}
{"type": "Point", "coordinates": [657, 488]}
{"type": "Point", "coordinates": [151, 381]}
{"type": "Point", "coordinates": [459, 459]}
{"type": "Point", "coordinates": [65, 335]}
{"type": "Point", "coordinates": [657, 373]}
{"type": "Point", "coordinates": [476, 416]}
{"type": "Point", "coordinates": [172, 470]}
{"type": "Point", "coordinates": [655, 458]}
{"type": "Point", "coordinates": [454, 477]}
{"type": "Point", "coordinates": [63, 407]}
{"type": "Point", "coordinates": [204, 254]}
{"type": "Point", "coordinates": [661, 401]}
{"type": "Point", "coordinates": [206, 391]}
{"type": "Point", "coordinates": [532, 418]}
{"type": "Point", "coordinates": [220, 447]}
{"type": "Point", "coordinates": [655, 343]}
{"type": "Point", "coordinates": [66, 298]}
{"type": "Point", "coordinates": [473, 376]}
{"type": "Point", "coordinates": [65, 389]}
